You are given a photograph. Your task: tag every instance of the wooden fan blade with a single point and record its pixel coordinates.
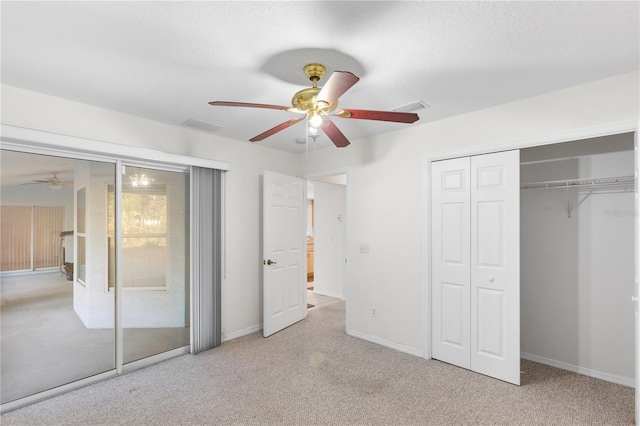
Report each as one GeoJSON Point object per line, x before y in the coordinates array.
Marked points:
{"type": "Point", "coordinates": [248, 104]}
{"type": "Point", "coordinates": [276, 129]}
{"type": "Point", "coordinates": [336, 86]}
{"type": "Point", "coordinates": [363, 114]}
{"type": "Point", "coordinates": [337, 137]}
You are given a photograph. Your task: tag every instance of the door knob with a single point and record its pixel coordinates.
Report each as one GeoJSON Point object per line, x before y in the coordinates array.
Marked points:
{"type": "Point", "coordinates": [491, 279]}
{"type": "Point", "coordinates": [270, 262]}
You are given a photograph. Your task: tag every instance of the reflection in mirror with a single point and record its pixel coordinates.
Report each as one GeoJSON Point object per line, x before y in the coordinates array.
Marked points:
{"type": "Point", "coordinates": [155, 272]}
{"type": "Point", "coordinates": [54, 329]}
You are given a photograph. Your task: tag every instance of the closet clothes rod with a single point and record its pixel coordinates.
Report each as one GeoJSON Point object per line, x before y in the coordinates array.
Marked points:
{"type": "Point", "coordinates": [613, 181]}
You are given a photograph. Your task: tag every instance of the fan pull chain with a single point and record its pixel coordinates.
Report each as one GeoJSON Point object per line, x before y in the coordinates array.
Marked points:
{"type": "Point", "coordinates": [306, 141]}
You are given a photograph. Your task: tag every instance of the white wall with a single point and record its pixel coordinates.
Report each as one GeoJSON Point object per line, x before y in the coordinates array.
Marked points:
{"type": "Point", "coordinates": [91, 300]}
{"type": "Point", "coordinates": [577, 273]}
{"type": "Point", "coordinates": [329, 239]}
{"type": "Point", "coordinates": [242, 298]}
{"type": "Point", "coordinates": [607, 268]}
{"type": "Point", "coordinates": [387, 182]}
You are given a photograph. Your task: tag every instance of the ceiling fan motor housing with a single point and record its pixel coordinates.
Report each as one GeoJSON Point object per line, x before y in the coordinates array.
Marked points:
{"type": "Point", "coordinates": [305, 100]}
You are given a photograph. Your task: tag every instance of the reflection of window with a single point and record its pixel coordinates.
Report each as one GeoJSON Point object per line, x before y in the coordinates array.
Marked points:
{"type": "Point", "coordinates": [81, 227]}
{"type": "Point", "coordinates": [144, 231]}
{"type": "Point", "coordinates": [16, 238]}
{"type": "Point", "coordinates": [30, 237]}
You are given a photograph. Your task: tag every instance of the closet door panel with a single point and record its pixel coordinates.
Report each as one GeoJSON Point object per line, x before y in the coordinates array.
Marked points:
{"type": "Point", "coordinates": [490, 238]}
{"type": "Point", "coordinates": [490, 323]}
{"type": "Point", "coordinates": [451, 255]}
{"type": "Point", "coordinates": [495, 265]}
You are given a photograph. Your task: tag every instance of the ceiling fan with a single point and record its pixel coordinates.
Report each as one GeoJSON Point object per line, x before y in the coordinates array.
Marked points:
{"type": "Point", "coordinates": [54, 182]}
{"type": "Point", "coordinates": [319, 103]}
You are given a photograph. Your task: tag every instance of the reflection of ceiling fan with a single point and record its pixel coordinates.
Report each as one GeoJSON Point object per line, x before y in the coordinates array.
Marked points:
{"type": "Point", "coordinates": [54, 182]}
{"type": "Point", "coordinates": [319, 103]}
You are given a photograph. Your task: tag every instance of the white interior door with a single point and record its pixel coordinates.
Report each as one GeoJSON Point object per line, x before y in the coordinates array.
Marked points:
{"type": "Point", "coordinates": [495, 265]}
{"type": "Point", "coordinates": [476, 263]}
{"type": "Point", "coordinates": [284, 252]}
{"type": "Point", "coordinates": [451, 257]}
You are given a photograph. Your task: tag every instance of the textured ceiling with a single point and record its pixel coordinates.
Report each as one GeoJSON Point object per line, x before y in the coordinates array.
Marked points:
{"type": "Point", "coordinates": [166, 60]}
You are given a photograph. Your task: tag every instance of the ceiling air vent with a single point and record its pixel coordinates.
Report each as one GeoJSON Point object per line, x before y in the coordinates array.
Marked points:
{"type": "Point", "coordinates": [412, 106]}
{"type": "Point", "coordinates": [202, 125]}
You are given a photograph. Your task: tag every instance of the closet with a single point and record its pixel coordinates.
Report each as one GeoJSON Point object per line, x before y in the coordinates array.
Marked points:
{"type": "Point", "coordinates": [577, 256]}
{"type": "Point", "coordinates": [533, 256]}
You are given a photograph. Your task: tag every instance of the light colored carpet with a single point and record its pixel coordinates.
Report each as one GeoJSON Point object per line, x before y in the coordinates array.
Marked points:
{"type": "Point", "coordinates": [44, 343]}
{"type": "Point", "coordinates": [313, 373]}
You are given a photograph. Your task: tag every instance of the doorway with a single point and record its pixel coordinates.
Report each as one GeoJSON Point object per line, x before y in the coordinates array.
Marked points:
{"type": "Point", "coordinates": [326, 238]}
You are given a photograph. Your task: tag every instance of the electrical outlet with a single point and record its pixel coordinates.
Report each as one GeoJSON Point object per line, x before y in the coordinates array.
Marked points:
{"type": "Point", "coordinates": [374, 312]}
{"type": "Point", "coordinates": [364, 248]}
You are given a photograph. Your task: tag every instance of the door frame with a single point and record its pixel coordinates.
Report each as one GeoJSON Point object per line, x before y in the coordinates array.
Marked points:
{"type": "Point", "coordinates": [347, 268]}
{"type": "Point", "coordinates": [607, 129]}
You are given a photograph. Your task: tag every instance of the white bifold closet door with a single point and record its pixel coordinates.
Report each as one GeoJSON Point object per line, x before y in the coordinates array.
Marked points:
{"type": "Point", "coordinates": [476, 263]}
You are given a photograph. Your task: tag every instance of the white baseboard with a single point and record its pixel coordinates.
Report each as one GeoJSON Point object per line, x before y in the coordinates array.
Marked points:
{"type": "Point", "coordinates": [240, 333]}
{"type": "Point", "coordinates": [327, 293]}
{"type": "Point", "coordinates": [387, 343]}
{"type": "Point", "coordinates": [625, 381]}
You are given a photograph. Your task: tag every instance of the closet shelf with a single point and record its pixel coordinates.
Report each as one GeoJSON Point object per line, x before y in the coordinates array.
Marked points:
{"type": "Point", "coordinates": [614, 181]}
{"type": "Point", "coordinates": [591, 184]}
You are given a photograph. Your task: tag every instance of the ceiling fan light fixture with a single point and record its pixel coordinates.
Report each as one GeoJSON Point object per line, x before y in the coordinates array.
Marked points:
{"type": "Point", "coordinates": [315, 119]}
{"type": "Point", "coordinates": [55, 185]}
{"type": "Point", "coordinates": [140, 180]}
